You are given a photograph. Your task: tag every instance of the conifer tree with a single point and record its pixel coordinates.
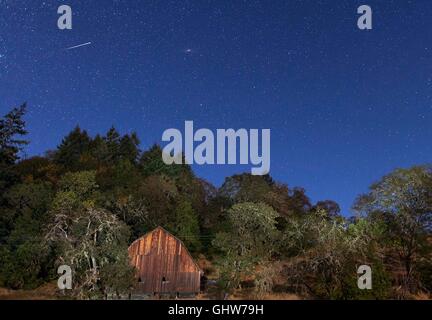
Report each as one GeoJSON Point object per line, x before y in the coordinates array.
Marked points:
{"type": "Point", "coordinates": [73, 146]}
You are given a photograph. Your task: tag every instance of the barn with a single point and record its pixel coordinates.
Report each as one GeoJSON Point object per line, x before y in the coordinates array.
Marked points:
{"type": "Point", "coordinates": [163, 264]}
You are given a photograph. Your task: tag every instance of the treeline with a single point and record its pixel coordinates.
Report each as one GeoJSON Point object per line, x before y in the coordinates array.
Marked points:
{"type": "Point", "coordinates": [85, 202]}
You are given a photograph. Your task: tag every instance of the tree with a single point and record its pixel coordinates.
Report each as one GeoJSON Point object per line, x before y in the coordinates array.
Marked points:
{"type": "Point", "coordinates": [403, 201]}
{"type": "Point", "coordinates": [25, 258]}
{"type": "Point", "coordinates": [72, 147]}
{"type": "Point", "coordinates": [151, 163]}
{"type": "Point", "coordinates": [89, 239]}
{"type": "Point", "coordinates": [330, 207]}
{"type": "Point", "coordinates": [159, 194]}
{"type": "Point", "coordinates": [186, 226]}
{"type": "Point", "coordinates": [98, 151]}
{"type": "Point", "coordinates": [132, 210]}
{"type": "Point", "coordinates": [128, 148]}
{"type": "Point", "coordinates": [112, 141]}
{"type": "Point", "coordinates": [122, 178]}
{"type": "Point", "coordinates": [37, 169]}
{"type": "Point", "coordinates": [12, 126]}
{"type": "Point", "coordinates": [82, 184]}
{"type": "Point", "coordinates": [324, 256]}
{"type": "Point", "coordinates": [95, 246]}
{"type": "Point", "coordinates": [250, 241]}
{"type": "Point", "coordinates": [289, 202]}
{"type": "Point", "coordinates": [249, 188]}
{"type": "Point", "coordinates": [246, 188]}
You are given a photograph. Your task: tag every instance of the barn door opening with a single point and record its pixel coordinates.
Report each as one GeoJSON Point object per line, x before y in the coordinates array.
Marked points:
{"type": "Point", "coordinates": [165, 284]}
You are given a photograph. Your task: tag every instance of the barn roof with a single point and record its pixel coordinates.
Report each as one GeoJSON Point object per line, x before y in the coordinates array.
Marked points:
{"type": "Point", "coordinates": [170, 234]}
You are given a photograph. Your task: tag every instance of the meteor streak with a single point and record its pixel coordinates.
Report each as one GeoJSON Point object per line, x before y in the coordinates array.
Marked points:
{"type": "Point", "coordinates": [80, 45]}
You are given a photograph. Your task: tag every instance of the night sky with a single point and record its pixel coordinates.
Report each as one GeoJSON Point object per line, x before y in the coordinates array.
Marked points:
{"type": "Point", "coordinates": [344, 106]}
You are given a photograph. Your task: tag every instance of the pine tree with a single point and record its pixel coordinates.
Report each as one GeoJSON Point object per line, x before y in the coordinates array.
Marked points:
{"type": "Point", "coordinates": [151, 163]}
{"type": "Point", "coordinates": [11, 126]}
{"type": "Point", "coordinates": [128, 148]}
{"type": "Point", "coordinates": [186, 225]}
{"type": "Point", "coordinates": [98, 149]}
{"type": "Point", "coordinates": [73, 146]}
{"type": "Point", "coordinates": [112, 140]}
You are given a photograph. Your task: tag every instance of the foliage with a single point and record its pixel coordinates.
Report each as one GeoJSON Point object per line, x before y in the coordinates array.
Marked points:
{"type": "Point", "coordinates": [89, 239]}
{"type": "Point", "coordinates": [151, 163]}
{"type": "Point", "coordinates": [403, 201]}
{"type": "Point", "coordinates": [328, 254]}
{"type": "Point", "coordinates": [25, 257]}
{"type": "Point", "coordinates": [11, 126]}
{"type": "Point", "coordinates": [249, 241]}
{"type": "Point", "coordinates": [71, 149]}
{"type": "Point", "coordinates": [84, 202]}
{"type": "Point", "coordinates": [186, 225]}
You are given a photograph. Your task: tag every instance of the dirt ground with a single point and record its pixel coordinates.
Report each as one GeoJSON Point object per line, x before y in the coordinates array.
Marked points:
{"type": "Point", "coordinates": [49, 292]}
{"type": "Point", "coordinates": [46, 292]}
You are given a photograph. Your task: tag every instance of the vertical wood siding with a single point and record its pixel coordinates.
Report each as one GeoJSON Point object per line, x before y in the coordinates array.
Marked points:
{"type": "Point", "coordinates": [163, 264]}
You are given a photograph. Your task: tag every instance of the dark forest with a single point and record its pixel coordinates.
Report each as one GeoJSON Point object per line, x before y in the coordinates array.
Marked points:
{"type": "Point", "coordinates": [84, 203]}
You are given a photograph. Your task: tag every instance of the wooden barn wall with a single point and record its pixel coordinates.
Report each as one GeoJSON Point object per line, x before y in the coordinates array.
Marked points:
{"type": "Point", "coordinates": [159, 255]}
